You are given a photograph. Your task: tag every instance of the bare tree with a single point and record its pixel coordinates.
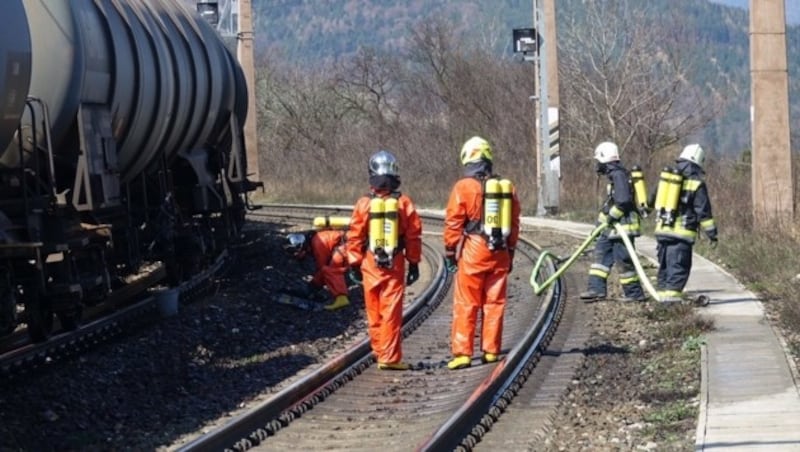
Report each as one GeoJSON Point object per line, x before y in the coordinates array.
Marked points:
{"type": "Point", "coordinates": [367, 83]}
{"type": "Point", "coordinates": [626, 79]}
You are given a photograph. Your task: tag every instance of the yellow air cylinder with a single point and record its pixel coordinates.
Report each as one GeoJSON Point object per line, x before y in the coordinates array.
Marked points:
{"type": "Point", "coordinates": [376, 227]}
{"type": "Point", "coordinates": [331, 222]}
{"type": "Point", "coordinates": [661, 190]}
{"type": "Point", "coordinates": [390, 231]}
{"type": "Point", "coordinates": [491, 207]}
{"type": "Point", "coordinates": [505, 207]}
{"type": "Point", "coordinates": [673, 195]}
{"type": "Point", "coordinates": [639, 188]}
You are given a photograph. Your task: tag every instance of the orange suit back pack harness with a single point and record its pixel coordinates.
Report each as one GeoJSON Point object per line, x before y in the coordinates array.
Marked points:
{"type": "Point", "coordinates": [384, 240]}
{"type": "Point", "coordinates": [495, 222]}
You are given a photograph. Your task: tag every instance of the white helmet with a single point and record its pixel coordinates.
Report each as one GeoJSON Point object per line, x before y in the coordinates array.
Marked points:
{"type": "Point", "coordinates": [606, 152]}
{"type": "Point", "coordinates": [694, 153]}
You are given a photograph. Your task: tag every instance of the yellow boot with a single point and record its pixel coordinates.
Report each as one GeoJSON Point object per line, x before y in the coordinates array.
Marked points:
{"type": "Point", "coordinates": [339, 302]}
{"type": "Point", "coordinates": [459, 362]}
{"type": "Point", "coordinates": [393, 366]}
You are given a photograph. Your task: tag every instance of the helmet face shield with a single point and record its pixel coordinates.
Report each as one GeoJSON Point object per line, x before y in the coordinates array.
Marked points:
{"type": "Point", "coordinates": [383, 163]}
{"type": "Point", "coordinates": [296, 245]}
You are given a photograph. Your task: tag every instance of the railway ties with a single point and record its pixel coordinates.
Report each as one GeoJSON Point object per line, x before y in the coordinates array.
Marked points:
{"type": "Point", "coordinates": [348, 404]}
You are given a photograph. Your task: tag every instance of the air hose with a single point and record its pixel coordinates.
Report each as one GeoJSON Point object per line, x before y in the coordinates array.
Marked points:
{"type": "Point", "coordinates": [539, 288]}
{"type": "Point", "coordinates": [638, 265]}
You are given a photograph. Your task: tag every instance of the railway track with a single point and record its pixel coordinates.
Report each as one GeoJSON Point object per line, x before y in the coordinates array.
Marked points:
{"type": "Point", "coordinates": [130, 305]}
{"type": "Point", "coordinates": [347, 404]}
{"type": "Point", "coordinates": [275, 395]}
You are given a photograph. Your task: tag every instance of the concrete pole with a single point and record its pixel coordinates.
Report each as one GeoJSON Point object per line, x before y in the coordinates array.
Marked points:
{"type": "Point", "coordinates": [772, 190]}
{"type": "Point", "coordinates": [554, 151]}
{"type": "Point", "coordinates": [548, 179]}
{"type": "Point", "coordinates": [549, 11]}
{"type": "Point", "coordinates": [540, 111]}
{"type": "Point", "coordinates": [244, 50]}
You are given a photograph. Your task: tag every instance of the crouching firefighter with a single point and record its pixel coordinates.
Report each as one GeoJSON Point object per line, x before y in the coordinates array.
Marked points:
{"type": "Point", "coordinates": [327, 247]}
{"type": "Point", "coordinates": [682, 208]}
{"type": "Point", "coordinates": [482, 223]}
{"type": "Point", "coordinates": [385, 233]}
{"type": "Point", "coordinates": [620, 207]}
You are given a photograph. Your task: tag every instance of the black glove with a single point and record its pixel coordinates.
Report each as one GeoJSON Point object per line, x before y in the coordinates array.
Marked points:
{"type": "Point", "coordinates": [713, 242]}
{"type": "Point", "coordinates": [354, 275]}
{"type": "Point", "coordinates": [413, 274]}
{"type": "Point", "coordinates": [511, 259]}
{"type": "Point", "coordinates": [450, 261]}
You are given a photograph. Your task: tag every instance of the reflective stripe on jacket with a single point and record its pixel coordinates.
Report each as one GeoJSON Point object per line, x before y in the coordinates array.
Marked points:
{"type": "Point", "coordinates": [620, 203]}
{"type": "Point", "coordinates": [694, 207]}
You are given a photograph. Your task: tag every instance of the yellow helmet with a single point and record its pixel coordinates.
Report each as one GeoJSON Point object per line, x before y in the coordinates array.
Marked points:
{"type": "Point", "coordinates": [475, 150]}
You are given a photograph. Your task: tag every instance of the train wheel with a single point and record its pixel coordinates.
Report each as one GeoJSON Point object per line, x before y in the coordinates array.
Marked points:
{"type": "Point", "coordinates": [8, 312]}
{"type": "Point", "coordinates": [39, 317]}
{"type": "Point", "coordinates": [70, 318]}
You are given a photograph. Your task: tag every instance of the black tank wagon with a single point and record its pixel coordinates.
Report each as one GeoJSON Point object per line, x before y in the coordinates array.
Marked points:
{"type": "Point", "coordinates": [120, 145]}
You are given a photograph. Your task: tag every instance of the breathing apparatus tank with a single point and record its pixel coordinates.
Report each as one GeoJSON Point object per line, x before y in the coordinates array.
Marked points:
{"type": "Point", "coordinates": [505, 207]}
{"type": "Point", "coordinates": [390, 228]}
{"type": "Point", "coordinates": [639, 189]}
{"type": "Point", "coordinates": [491, 211]}
{"type": "Point", "coordinates": [376, 216]}
{"type": "Point", "coordinates": [331, 222]}
{"type": "Point", "coordinates": [667, 195]}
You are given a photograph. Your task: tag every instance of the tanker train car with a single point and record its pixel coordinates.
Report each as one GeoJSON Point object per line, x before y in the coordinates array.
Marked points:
{"type": "Point", "coordinates": [120, 147]}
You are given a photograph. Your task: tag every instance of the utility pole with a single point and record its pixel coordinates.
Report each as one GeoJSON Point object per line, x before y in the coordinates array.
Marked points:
{"type": "Point", "coordinates": [553, 100]}
{"type": "Point", "coordinates": [772, 185]}
{"type": "Point", "coordinates": [548, 184]}
{"type": "Point", "coordinates": [244, 52]}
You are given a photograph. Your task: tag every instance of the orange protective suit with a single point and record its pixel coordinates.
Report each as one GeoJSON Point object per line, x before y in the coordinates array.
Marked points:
{"type": "Point", "coordinates": [384, 287]}
{"type": "Point", "coordinates": [328, 249]}
{"type": "Point", "coordinates": [482, 275]}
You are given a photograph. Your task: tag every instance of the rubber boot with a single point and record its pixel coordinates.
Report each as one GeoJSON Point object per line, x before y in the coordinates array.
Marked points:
{"type": "Point", "coordinates": [339, 302]}
{"type": "Point", "coordinates": [459, 362]}
{"type": "Point", "coordinates": [489, 358]}
{"type": "Point", "coordinates": [591, 295]}
{"type": "Point", "coordinates": [393, 366]}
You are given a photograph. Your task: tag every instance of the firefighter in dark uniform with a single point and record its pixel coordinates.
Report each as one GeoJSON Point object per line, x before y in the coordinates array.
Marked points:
{"type": "Point", "coordinates": [676, 238]}
{"type": "Point", "coordinates": [619, 207]}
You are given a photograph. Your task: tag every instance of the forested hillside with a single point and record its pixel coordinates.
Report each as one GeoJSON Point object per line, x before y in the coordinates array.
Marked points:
{"type": "Point", "coordinates": [314, 33]}
{"type": "Point", "coordinates": [792, 8]}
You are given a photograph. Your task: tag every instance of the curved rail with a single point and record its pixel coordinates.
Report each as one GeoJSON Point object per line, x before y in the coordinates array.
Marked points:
{"type": "Point", "coordinates": [493, 386]}
{"type": "Point", "coordinates": [254, 426]}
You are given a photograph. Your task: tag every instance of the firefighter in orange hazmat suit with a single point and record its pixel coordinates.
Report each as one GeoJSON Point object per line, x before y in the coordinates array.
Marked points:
{"type": "Point", "coordinates": [378, 263]}
{"type": "Point", "coordinates": [485, 260]}
{"type": "Point", "coordinates": [328, 249]}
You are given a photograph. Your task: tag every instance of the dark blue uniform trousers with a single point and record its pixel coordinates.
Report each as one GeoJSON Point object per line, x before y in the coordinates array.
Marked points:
{"type": "Point", "coordinates": [674, 263]}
